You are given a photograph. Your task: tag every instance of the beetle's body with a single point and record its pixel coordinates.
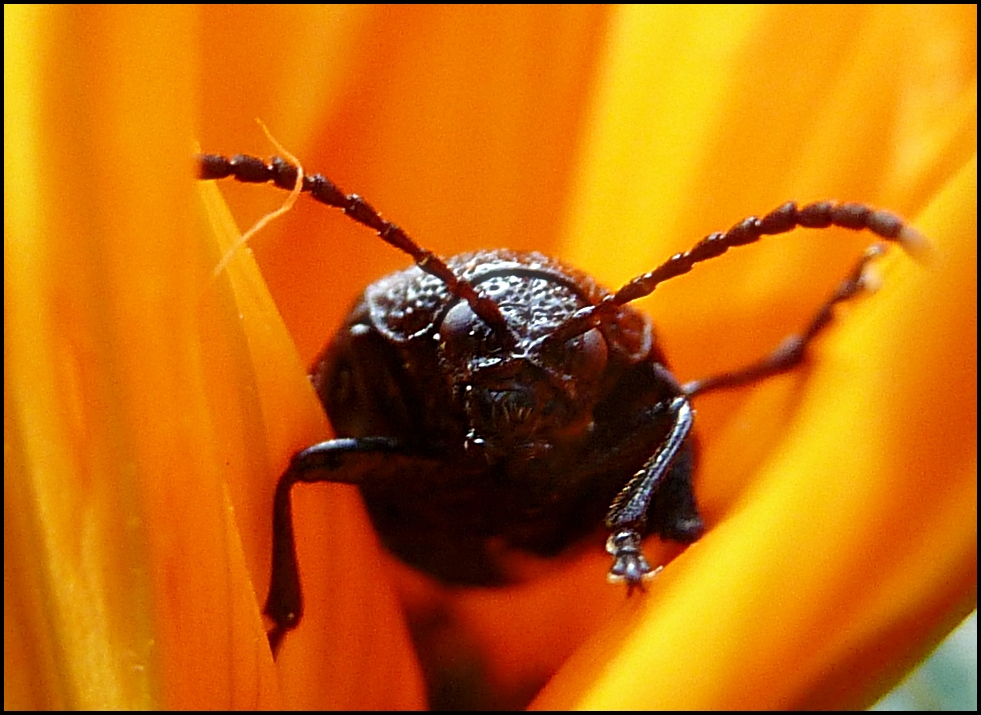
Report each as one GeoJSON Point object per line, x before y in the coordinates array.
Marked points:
{"type": "Point", "coordinates": [527, 449]}
{"type": "Point", "coordinates": [502, 400]}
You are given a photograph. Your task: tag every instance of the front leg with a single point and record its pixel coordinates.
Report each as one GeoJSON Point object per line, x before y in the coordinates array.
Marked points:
{"type": "Point", "coordinates": [627, 516]}
{"type": "Point", "coordinates": [345, 461]}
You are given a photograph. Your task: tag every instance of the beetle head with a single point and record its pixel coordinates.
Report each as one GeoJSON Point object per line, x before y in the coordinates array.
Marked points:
{"type": "Point", "coordinates": [526, 395]}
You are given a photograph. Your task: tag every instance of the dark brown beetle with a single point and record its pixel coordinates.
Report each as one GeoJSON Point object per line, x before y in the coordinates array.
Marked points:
{"type": "Point", "coordinates": [528, 404]}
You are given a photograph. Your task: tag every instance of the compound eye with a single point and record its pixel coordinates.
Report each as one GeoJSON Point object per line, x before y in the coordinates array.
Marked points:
{"type": "Point", "coordinates": [586, 355]}
{"type": "Point", "coordinates": [460, 323]}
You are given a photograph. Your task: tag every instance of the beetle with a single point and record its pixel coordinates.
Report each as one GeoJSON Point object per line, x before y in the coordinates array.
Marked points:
{"type": "Point", "coordinates": [502, 400]}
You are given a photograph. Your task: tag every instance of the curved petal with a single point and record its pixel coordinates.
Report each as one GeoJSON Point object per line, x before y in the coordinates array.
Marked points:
{"type": "Point", "coordinates": [700, 116]}
{"type": "Point", "coordinates": [110, 480]}
{"type": "Point", "coordinates": [841, 497]}
{"type": "Point", "coordinates": [149, 406]}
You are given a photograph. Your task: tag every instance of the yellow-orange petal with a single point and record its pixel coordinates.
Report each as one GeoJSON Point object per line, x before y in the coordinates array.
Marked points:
{"type": "Point", "coordinates": [809, 592]}
{"type": "Point", "coordinates": [845, 562]}
{"type": "Point", "coordinates": [699, 117]}
{"type": "Point", "coordinates": [148, 406]}
{"type": "Point", "coordinates": [99, 390]}
{"type": "Point", "coordinates": [351, 628]}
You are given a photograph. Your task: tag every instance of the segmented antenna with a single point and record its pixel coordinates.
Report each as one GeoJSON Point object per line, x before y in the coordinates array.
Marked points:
{"type": "Point", "coordinates": [253, 170]}
{"type": "Point", "coordinates": [820, 214]}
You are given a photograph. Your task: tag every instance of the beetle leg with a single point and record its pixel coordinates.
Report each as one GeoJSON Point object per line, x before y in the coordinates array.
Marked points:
{"type": "Point", "coordinates": [347, 461]}
{"type": "Point", "coordinates": [793, 349]}
{"type": "Point", "coordinates": [628, 513]}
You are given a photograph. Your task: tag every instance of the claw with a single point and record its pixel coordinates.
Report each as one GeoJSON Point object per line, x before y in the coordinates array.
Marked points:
{"type": "Point", "coordinates": [629, 564]}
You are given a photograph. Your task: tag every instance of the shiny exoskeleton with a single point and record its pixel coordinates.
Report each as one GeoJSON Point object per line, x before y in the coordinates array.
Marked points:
{"type": "Point", "coordinates": [503, 401]}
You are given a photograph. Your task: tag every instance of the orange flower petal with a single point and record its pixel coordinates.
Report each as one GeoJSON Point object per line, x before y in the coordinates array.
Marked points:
{"type": "Point", "coordinates": [846, 560]}
{"type": "Point", "coordinates": [149, 407]}
{"type": "Point", "coordinates": [821, 487]}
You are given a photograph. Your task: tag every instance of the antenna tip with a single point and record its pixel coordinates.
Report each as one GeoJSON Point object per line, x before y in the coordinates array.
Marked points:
{"type": "Point", "coordinates": [914, 242]}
